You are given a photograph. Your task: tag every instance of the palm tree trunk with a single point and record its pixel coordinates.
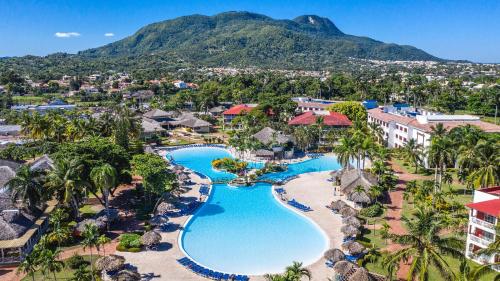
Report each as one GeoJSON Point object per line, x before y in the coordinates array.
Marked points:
{"type": "Point", "coordinates": [91, 264]}
{"type": "Point", "coordinates": [54, 273]}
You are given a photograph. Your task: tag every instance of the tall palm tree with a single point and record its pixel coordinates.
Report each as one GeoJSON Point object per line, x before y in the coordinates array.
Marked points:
{"type": "Point", "coordinates": [487, 170]}
{"type": "Point", "coordinates": [346, 151]}
{"type": "Point", "coordinates": [90, 240]}
{"type": "Point", "coordinates": [477, 273]}
{"type": "Point", "coordinates": [376, 131]}
{"type": "Point", "coordinates": [66, 181]}
{"type": "Point", "coordinates": [441, 153]}
{"type": "Point", "coordinates": [30, 264]}
{"type": "Point", "coordinates": [412, 151]}
{"type": "Point", "coordinates": [295, 272]}
{"type": "Point", "coordinates": [26, 186]}
{"type": "Point", "coordinates": [50, 262]}
{"type": "Point", "coordinates": [424, 247]}
{"type": "Point", "coordinates": [104, 179]}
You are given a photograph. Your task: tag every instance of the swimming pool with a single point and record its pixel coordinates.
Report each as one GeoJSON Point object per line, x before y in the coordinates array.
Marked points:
{"type": "Point", "coordinates": [246, 230]}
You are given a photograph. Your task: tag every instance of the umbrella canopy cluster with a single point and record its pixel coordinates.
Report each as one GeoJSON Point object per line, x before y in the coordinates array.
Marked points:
{"type": "Point", "coordinates": [348, 211]}
{"type": "Point", "coordinates": [337, 205]}
{"type": "Point", "coordinates": [110, 263]}
{"type": "Point", "coordinates": [334, 255]}
{"type": "Point", "coordinates": [349, 230]}
{"type": "Point", "coordinates": [352, 220]}
{"type": "Point", "coordinates": [127, 275]}
{"type": "Point", "coordinates": [361, 274]}
{"type": "Point", "coordinates": [151, 238]}
{"type": "Point", "coordinates": [80, 227]}
{"type": "Point", "coordinates": [353, 247]}
{"type": "Point", "coordinates": [344, 267]}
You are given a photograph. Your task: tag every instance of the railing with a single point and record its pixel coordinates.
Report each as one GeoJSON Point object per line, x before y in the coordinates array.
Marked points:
{"type": "Point", "coordinates": [482, 241]}
{"type": "Point", "coordinates": [483, 223]}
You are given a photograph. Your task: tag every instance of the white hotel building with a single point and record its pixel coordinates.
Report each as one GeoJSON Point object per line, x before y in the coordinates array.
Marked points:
{"type": "Point", "coordinates": [484, 216]}
{"type": "Point", "coordinates": [401, 124]}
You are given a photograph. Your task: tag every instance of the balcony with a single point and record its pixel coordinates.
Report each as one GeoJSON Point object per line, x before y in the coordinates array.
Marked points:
{"type": "Point", "coordinates": [481, 240]}
{"type": "Point", "coordinates": [483, 223]}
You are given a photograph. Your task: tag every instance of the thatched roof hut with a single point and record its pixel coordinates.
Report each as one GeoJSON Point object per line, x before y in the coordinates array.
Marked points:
{"type": "Point", "coordinates": [361, 274]}
{"type": "Point", "coordinates": [110, 263]}
{"type": "Point", "coordinates": [127, 275]}
{"type": "Point", "coordinates": [359, 197]}
{"type": "Point", "coordinates": [349, 179]}
{"type": "Point", "coordinates": [334, 255]}
{"type": "Point", "coordinates": [337, 205]}
{"type": "Point", "coordinates": [164, 207]}
{"type": "Point", "coordinates": [353, 247]}
{"type": "Point", "coordinates": [349, 230]}
{"type": "Point", "coordinates": [348, 211]}
{"type": "Point", "coordinates": [158, 220]}
{"type": "Point", "coordinates": [178, 168]}
{"type": "Point", "coordinates": [344, 267]}
{"type": "Point", "coordinates": [151, 238]}
{"type": "Point", "coordinates": [103, 215]}
{"type": "Point", "coordinates": [352, 220]}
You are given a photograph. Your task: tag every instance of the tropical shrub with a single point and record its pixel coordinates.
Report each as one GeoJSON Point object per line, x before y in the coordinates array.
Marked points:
{"type": "Point", "coordinates": [229, 164]}
{"type": "Point", "coordinates": [75, 261]}
{"type": "Point", "coordinates": [371, 211]}
{"type": "Point", "coordinates": [130, 240]}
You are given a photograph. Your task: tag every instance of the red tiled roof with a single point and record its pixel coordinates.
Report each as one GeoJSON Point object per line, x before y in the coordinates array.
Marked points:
{"type": "Point", "coordinates": [331, 119]}
{"type": "Point", "coordinates": [238, 109]}
{"type": "Point", "coordinates": [408, 121]}
{"type": "Point", "coordinates": [494, 190]}
{"type": "Point", "coordinates": [490, 207]}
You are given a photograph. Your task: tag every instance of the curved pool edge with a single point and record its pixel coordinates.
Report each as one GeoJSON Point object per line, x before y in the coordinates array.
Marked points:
{"type": "Point", "coordinates": [274, 195]}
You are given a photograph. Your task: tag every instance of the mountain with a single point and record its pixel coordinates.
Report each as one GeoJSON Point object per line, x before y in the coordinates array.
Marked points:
{"type": "Point", "coordinates": [249, 39]}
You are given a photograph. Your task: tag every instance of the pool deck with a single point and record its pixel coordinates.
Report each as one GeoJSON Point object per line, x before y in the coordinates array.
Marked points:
{"type": "Point", "coordinates": [311, 189]}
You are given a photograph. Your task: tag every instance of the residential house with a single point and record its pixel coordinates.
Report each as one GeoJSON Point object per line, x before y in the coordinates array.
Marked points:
{"type": "Point", "coordinates": [330, 119]}
{"type": "Point", "coordinates": [305, 104]}
{"type": "Point", "coordinates": [160, 115]}
{"type": "Point", "coordinates": [188, 120]}
{"type": "Point", "coordinates": [151, 128]}
{"type": "Point", "coordinates": [484, 217]}
{"type": "Point", "coordinates": [237, 110]}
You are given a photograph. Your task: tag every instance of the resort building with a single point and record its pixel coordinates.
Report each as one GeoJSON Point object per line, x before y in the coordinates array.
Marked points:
{"type": "Point", "coordinates": [237, 110]}
{"type": "Point", "coordinates": [305, 104]}
{"type": "Point", "coordinates": [188, 120]}
{"type": "Point", "coordinates": [55, 105]}
{"type": "Point", "coordinates": [330, 119]}
{"type": "Point", "coordinates": [401, 123]}
{"type": "Point", "coordinates": [151, 128]}
{"type": "Point", "coordinates": [275, 144]}
{"type": "Point", "coordinates": [159, 115]}
{"type": "Point", "coordinates": [484, 216]}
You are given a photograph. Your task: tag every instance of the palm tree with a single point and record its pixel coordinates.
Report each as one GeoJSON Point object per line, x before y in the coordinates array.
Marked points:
{"type": "Point", "coordinates": [295, 272]}
{"type": "Point", "coordinates": [346, 151]}
{"type": "Point", "coordinates": [412, 151]}
{"type": "Point", "coordinates": [26, 186]}
{"type": "Point", "coordinates": [376, 131]}
{"type": "Point", "coordinates": [424, 247]}
{"type": "Point", "coordinates": [30, 264]}
{"type": "Point", "coordinates": [475, 274]}
{"type": "Point", "coordinates": [487, 170]}
{"type": "Point", "coordinates": [82, 274]}
{"type": "Point", "coordinates": [50, 262]}
{"type": "Point", "coordinates": [102, 241]}
{"type": "Point", "coordinates": [90, 239]}
{"type": "Point", "coordinates": [66, 180]}
{"type": "Point", "coordinates": [104, 179]}
{"type": "Point", "coordinates": [371, 256]}
{"type": "Point", "coordinates": [441, 152]}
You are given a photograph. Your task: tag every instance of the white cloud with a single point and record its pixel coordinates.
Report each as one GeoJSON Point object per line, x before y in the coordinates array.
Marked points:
{"type": "Point", "coordinates": [109, 34]}
{"type": "Point", "coordinates": [66, 34]}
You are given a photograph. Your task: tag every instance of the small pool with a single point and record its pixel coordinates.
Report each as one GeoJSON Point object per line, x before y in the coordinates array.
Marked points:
{"type": "Point", "coordinates": [246, 230]}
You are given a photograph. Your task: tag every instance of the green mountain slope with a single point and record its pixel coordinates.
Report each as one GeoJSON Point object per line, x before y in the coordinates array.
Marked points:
{"type": "Point", "coordinates": [248, 39]}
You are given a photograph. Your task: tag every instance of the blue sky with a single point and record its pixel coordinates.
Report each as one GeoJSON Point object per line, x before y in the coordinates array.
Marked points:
{"type": "Point", "coordinates": [452, 29]}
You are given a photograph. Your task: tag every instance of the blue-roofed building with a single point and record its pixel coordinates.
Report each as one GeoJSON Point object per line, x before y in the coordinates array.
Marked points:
{"type": "Point", "coordinates": [55, 105]}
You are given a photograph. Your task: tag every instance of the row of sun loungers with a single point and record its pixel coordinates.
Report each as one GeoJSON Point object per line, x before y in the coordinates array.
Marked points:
{"type": "Point", "coordinates": [204, 190]}
{"type": "Point", "coordinates": [208, 273]}
{"type": "Point", "coordinates": [280, 190]}
{"type": "Point", "coordinates": [189, 208]}
{"type": "Point", "coordinates": [196, 145]}
{"type": "Point", "coordinates": [314, 155]}
{"type": "Point", "coordinates": [299, 206]}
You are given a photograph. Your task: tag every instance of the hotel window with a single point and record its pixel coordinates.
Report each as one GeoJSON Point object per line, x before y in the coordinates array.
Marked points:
{"type": "Point", "coordinates": [406, 130]}
{"type": "Point", "coordinates": [489, 218]}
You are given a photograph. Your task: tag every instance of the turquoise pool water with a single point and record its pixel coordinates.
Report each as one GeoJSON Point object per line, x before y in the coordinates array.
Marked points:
{"type": "Point", "coordinates": [246, 230]}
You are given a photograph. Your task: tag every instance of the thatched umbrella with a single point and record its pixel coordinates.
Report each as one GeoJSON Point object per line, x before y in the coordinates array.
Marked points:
{"type": "Point", "coordinates": [361, 274]}
{"type": "Point", "coordinates": [355, 248]}
{"type": "Point", "coordinates": [110, 263]}
{"type": "Point", "coordinates": [150, 238]}
{"type": "Point", "coordinates": [164, 207]}
{"type": "Point", "coordinates": [178, 168]}
{"type": "Point", "coordinates": [343, 267]}
{"type": "Point", "coordinates": [337, 205]}
{"type": "Point", "coordinates": [158, 220]}
{"type": "Point", "coordinates": [349, 230]}
{"type": "Point", "coordinates": [354, 221]}
{"type": "Point", "coordinates": [359, 197]}
{"type": "Point", "coordinates": [334, 255]}
{"type": "Point", "coordinates": [80, 227]}
{"type": "Point", "coordinates": [127, 275]}
{"type": "Point", "coordinates": [348, 211]}
{"type": "Point", "coordinates": [109, 215]}
{"type": "Point", "coordinates": [182, 177]}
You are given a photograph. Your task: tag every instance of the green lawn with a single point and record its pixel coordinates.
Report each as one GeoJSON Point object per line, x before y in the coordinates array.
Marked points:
{"type": "Point", "coordinates": [29, 100]}
{"type": "Point", "coordinates": [88, 211]}
{"type": "Point", "coordinates": [65, 274]}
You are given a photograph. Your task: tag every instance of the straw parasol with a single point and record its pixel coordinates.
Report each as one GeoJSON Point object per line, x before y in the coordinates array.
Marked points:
{"type": "Point", "coordinates": [344, 267]}
{"type": "Point", "coordinates": [334, 255]}
{"type": "Point", "coordinates": [158, 220]}
{"type": "Point", "coordinates": [80, 227]}
{"type": "Point", "coordinates": [359, 197]}
{"type": "Point", "coordinates": [128, 275]}
{"type": "Point", "coordinates": [361, 274]}
{"type": "Point", "coordinates": [110, 263]}
{"type": "Point", "coordinates": [354, 221]}
{"type": "Point", "coordinates": [178, 168]}
{"type": "Point", "coordinates": [348, 211]}
{"type": "Point", "coordinates": [355, 248]}
{"type": "Point", "coordinates": [150, 238]}
{"type": "Point", "coordinates": [337, 205]}
{"type": "Point", "coordinates": [164, 207]}
{"type": "Point", "coordinates": [182, 177]}
{"type": "Point", "coordinates": [349, 230]}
